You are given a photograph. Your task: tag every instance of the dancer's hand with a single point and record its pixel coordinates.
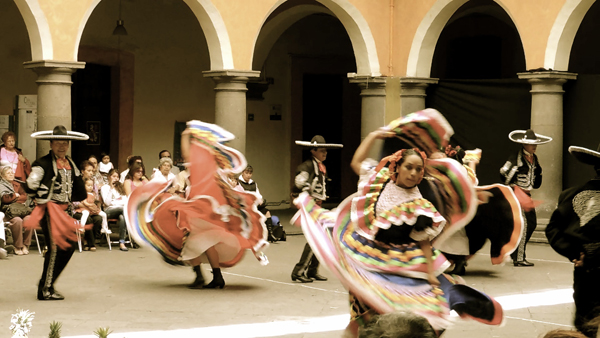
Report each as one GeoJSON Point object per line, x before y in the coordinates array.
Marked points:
{"type": "Point", "coordinates": [383, 132]}
{"type": "Point", "coordinates": [433, 280]}
{"type": "Point", "coordinates": [579, 262]}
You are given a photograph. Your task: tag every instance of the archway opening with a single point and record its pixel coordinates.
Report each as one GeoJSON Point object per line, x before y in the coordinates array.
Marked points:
{"type": "Point", "coordinates": [306, 69]}
{"type": "Point", "coordinates": [581, 97]}
{"type": "Point", "coordinates": [476, 59]}
{"type": "Point", "coordinates": [155, 78]}
{"type": "Point", "coordinates": [15, 48]}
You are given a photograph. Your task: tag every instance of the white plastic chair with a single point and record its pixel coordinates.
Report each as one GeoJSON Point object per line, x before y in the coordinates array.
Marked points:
{"type": "Point", "coordinates": [4, 230]}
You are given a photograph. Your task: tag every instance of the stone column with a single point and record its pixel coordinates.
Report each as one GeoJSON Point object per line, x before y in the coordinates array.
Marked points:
{"type": "Point", "coordinates": [54, 95]}
{"type": "Point", "coordinates": [230, 102]}
{"type": "Point", "coordinates": [372, 92]}
{"type": "Point", "coordinates": [547, 119]}
{"type": "Point", "coordinates": [412, 93]}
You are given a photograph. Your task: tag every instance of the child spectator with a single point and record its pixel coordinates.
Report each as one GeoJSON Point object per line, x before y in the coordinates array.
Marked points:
{"type": "Point", "coordinates": [92, 206]}
{"type": "Point", "coordinates": [106, 165]}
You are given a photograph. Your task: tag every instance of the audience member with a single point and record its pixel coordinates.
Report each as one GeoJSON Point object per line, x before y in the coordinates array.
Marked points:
{"type": "Point", "coordinates": [130, 161]}
{"type": "Point", "coordinates": [99, 180]}
{"type": "Point", "coordinates": [561, 333]}
{"type": "Point", "coordinates": [14, 197]}
{"type": "Point", "coordinates": [91, 207]}
{"type": "Point", "coordinates": [400, 324]}
{"type": "Point", "coordinates": [9, 154]}
{"type": "Point", "coordinates": [114, 198]}
{"type": "Point", "coordinates": [106, 165]}
{"type": "Point", "coordinates": [165, 154]}
{"type": "Point", "coordinates": [136, 177]}
{"type": "Point", "coordinates": [163, 173]}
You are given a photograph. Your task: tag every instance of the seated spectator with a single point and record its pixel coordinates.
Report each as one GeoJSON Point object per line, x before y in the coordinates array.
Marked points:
{"type": "Point", "coordinates": [11, 155]}
{"type": "Point", "coordinates": [3, 252]}
{"type": "Point", "coordinates": [114, 198]}
{"type": "Point", "coordinates": [399, 324]}
{"type": "Point", "coordinates": [249, 184]}
{"type": "Point", "coordinates": [161, 155]}
{"type": "Point", "coordinates": [232, 180]}
{"type": "Point", "coordinates": [561, 333]}
{"type": "Point", "coordinates": [92, 208]}
{"type": "Point", "coordinates": [163, 174]}
{"type": "Point", "coordinates": [130, 161]}
{"type": "Point", "coordinates": [99, 180]}
{"type": "Point", "coordinates": [182, 182]}
{"type": "Point", "coordinates": [106, 165]}
{"type": "Point", "coordinates": [136, 177]}
{"type": "Point", "coordinates": [276, 232]}
{"type": "Point", "coordinates": [15, 210]}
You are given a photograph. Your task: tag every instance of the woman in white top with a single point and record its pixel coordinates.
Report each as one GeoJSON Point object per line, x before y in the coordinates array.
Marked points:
{"type": "Point", "coordinates": [163, 173]}
{"type": "Point", "coordinates": [114, 198]}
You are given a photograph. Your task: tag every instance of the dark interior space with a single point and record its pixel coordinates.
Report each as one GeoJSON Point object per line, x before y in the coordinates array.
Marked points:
{"type": "Point", "coordinates": [91, 110]}
{"type": "Point", "coordinates": [479, 42]}
{"type": "Point", "coordinates": [581, 99]}
{"type": "Point", "coordinates": [322, 115]}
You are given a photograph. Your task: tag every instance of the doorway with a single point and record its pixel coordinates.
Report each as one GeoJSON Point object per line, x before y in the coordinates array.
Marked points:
{"type": "Point", "coordinates": [325, 103]}
{"type": "Point", "coordinates": [91, 111]}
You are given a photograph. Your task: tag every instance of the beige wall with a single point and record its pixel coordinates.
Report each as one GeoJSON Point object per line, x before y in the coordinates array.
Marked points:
{"type": "Point", "coordinates": [242, 21]}
{"type": "Point", "coordinates": [14, 50]}
{"type": "Point", "coordinates": [170, 54]}
{"type": "Point", "coordinates": [64, 18]}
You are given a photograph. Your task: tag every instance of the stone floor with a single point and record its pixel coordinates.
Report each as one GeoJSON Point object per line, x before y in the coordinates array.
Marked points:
{"type": "Point", "coordinates": [137, 295]}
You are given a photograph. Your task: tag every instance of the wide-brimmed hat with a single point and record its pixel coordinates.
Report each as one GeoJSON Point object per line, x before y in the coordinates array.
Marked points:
{"type": "Point", "coordinates": [318, 141]}
{"type": "Point", "coordinates": [528, 137]}
{"type": "Point", "coordinates": [60, 133]}
{"type": "Point", "coordinates": [585, 155]}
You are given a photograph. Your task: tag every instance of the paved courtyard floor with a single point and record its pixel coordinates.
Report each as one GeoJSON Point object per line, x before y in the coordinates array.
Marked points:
{"type": "Point", "coordinates": [137, 295]}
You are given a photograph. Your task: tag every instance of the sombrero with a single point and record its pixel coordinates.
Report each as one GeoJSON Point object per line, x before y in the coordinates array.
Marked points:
{"type": "Point", "coordinates": [585, 155]}
{"type": "Point", "coordinates": [318, 141]}
{"type": "Point", "coordinates": [60, 133]}
{"type": "Point", "coordinates": [528, 137]}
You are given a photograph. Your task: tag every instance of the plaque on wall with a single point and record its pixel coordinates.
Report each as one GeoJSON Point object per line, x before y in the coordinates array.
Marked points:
{"type": "Point", "coordinates": [93, 131]}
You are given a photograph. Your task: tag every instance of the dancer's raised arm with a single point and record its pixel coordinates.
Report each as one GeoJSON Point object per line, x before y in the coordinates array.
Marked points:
{"type": "Point", "coordinates": [365, 146]}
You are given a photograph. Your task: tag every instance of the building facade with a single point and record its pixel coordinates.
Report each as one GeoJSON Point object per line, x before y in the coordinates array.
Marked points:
{"type": "Point", "coordinates": [275, 71]}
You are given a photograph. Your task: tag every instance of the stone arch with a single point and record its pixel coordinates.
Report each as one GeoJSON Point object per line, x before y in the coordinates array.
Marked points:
{"type": "Point", "coordinates": [274, 28]}
{"type": "Point", "coordinates": [37, 28]}
{"type": "Point", "coordinates": [357, 28]}
{"type": "Point", "coordinates": [562, 35]}
{"type": "Point", "coordinates": [428, 33]}
{"type": "Point", "coordinates": [213, 27]}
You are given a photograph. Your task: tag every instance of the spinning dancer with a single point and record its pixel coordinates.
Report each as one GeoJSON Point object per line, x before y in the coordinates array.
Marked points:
{"type": "Point", "coordinates": [379, 244]}
{"type": "Point", "coordinates": [213, 223]}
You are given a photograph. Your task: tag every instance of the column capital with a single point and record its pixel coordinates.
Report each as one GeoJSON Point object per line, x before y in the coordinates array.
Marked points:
{"type": "Point", "coordinates": [54, 64]}
{"type": "Point", "coordinates": [369, 85]}
{"type": "Point", "coordinates": [366, 80]}
{"type": "Point", "coordinates": [416, 81]}
{"type": "Point", "coordinates": [547, 82]}
{"type": "Point", "coordinates": [547, 75]}
{"type": "Point", "coordinates": [231, 73]}
{"type": "Point", "coordinates": [54, 72]}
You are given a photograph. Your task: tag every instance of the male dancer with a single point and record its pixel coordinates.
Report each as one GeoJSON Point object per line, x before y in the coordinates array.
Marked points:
{"type": "Point", "coordinates": [574, 232]}
{"type": "Point", "coordinates": [523, 171]}
{"type": "Point", "coordinates": [311, 176]}
{"type": "Point", "coordinates": [54, 183]}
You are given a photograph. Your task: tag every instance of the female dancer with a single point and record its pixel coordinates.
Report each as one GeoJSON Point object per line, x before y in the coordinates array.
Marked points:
{"type": "Point", "coordinates": [380, 243]}
{"type": "Point", "coordinates": [214, 223]}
